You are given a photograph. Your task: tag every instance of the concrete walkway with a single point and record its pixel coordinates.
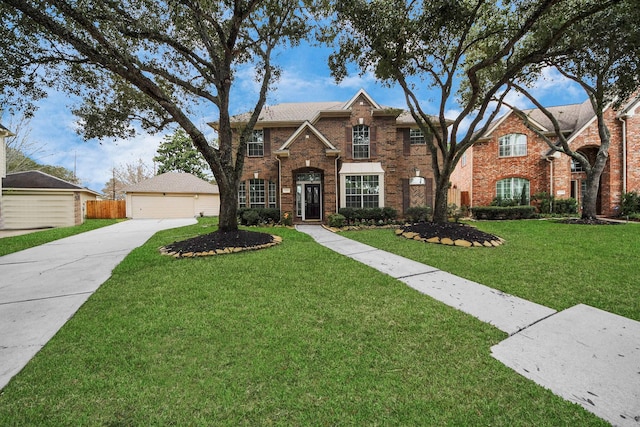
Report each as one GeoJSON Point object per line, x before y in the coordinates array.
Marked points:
{"type": "Point", "coordinates": [42, 287]}
{"type": "Point", "coordinates": [585, 355]}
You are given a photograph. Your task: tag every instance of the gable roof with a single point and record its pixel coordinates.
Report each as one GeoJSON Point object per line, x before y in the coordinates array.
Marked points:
{"type": "Point", "coordinates": [297, 113]}
{"type": "Point", "coordinates": [173, 182]}
{"type": "Point", "coordinates": [39, 180]}
{"type": "Point", "coordinates": [4, 131]}
{"type": "Point", "coordinates": [572, 118]}
{"type": "Point", "coordinates": [298, 132]}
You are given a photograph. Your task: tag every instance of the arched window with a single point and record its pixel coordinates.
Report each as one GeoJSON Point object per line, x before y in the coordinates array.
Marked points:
{"type": "Point", "coordinates": [516, 189]}
{"type": "Point", "coordinates": [512, 145]}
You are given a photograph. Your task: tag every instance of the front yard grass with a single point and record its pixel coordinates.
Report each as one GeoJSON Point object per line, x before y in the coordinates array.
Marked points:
{"type": "Point", "coordinates": [17, 243]}
{"type": "Point", "coordinates": [292, 335]}
{"type": "Point", "coordinates": [554, 264]}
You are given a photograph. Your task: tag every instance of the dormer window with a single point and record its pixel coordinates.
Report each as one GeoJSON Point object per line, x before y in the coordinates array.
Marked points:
{"type": "Point", "coordinates": [255, 145]}
{"type": "Point", "coordinates": [513, 145]}
{"type": "Point", "coordinates": [361, 142]}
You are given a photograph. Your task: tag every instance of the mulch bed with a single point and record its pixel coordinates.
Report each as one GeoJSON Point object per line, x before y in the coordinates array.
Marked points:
{"type": "Point", "coordinates": [220, 242]}
{"type": "Point", "coordinates": [450, 233]}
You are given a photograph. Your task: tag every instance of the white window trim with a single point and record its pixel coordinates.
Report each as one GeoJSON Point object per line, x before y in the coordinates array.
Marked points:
{"type": "Point", "coordinates": [370, 168]}
{"type": "Point", "coordinates": [512, 144]}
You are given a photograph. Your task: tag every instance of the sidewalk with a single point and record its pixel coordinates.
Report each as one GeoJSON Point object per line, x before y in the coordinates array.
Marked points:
{"type": "Point", "coordinates": [42, 287]}
{"type": "Point", "coordinates": [583, 354]}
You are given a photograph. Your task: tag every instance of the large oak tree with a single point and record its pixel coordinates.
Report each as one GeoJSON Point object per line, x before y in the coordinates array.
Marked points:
{"type": "Point", "coordinates": [156, 62]}
{"type": "Point", "coordinates": [466, 51]}
{"type": "Point", "coordinates": [602, 56]}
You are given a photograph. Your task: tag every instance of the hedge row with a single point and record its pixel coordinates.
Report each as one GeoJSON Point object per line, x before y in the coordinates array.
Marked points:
{"type": "Point", "coordinates": [255, 216]}
{"type": "Point", "coordinates": [503, 212]}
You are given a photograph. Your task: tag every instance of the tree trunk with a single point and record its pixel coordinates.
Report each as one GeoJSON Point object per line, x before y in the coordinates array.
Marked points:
{"type": "Point", "coordinates": [441, 201]}
{"type": "Point", "coordinates": [228, 218]}
{"type": "Point", "coordinates": [590, 196]}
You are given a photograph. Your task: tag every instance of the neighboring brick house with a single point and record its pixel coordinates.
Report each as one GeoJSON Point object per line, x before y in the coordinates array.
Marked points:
{"type": "Point", "coordinates": [310, 159]}
{"type": "Point", "coordinates": [510, 160]}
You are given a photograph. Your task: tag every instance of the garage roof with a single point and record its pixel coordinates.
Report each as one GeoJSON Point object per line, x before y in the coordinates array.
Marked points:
{"type": "Point", "coordinates": [39, 180]}
{"type": "Point", "coordinates": [173, 182]}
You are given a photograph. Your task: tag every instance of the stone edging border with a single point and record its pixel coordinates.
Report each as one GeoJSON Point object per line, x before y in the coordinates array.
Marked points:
{"type": "Point", "coordinates": [447, 241]}
{"type": "Point", "coordinates": [276, 241]}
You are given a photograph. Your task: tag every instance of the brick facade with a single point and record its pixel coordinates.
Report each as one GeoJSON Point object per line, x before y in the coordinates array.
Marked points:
{"type": "Point", "coordinates": [321, 143]}
{"type": "Point", "coordinates": [552, 174]}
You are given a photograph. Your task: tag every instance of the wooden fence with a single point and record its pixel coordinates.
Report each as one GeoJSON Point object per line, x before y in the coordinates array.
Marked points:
{"type": "Point", "coordinates": [106, 209]}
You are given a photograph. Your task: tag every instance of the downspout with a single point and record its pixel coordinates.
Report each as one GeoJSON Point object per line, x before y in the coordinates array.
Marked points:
{"type": "Point", "coordinates": [337, 183]}
{"type": "Point", "coordinates": [624, 153]}
{"type": "Point", "coordinates": [550, 160]}
{"type": "Point", "coordinates": [279, 185]}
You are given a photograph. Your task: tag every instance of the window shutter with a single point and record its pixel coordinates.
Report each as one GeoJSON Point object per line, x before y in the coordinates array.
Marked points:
{"type": "Point", "coordinates": [428, 192]}
{"type": "Point", "coordinates": [266, 133]}
{"type": "Point", "coordinates": [373, 152]}
{"type": "Point", "coordinates": [406, 142]}
{"type": "Point", "coordinates": [349, 138]}
{"type": "Point", "coordinates": [405, 194]}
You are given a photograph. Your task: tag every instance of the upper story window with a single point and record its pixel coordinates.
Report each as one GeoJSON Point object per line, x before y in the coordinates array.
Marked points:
{"type": "Point", "coordinates": [416, 136]}
{"type": "Point", "coordinates": [513, 145]}
{"type": "Point", "coordinates": [576, 166]}
{"type": "Point", "coordinates": [255, 145]}
{"type": "Point", "coordinates": [361, 142]}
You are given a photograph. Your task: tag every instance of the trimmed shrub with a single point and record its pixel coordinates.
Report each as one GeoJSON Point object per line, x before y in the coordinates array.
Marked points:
{"type": "Point", "coordinates": [349, 214]}
{"type": "Point", "coordinates": [565, 206]}
{"type": "Point", "coordinates": [389, 214]}
{"type": "Point", "coordinates": [630, 203]}
{"type": "Point", "coordinates": [503, 212]}
{"type": "Point", "coordinates": [336, 220]}
{"type": "Point", "coordinates": [264, 215]}
{"type": "Point", "coordinates": [250, 217]}
{"type": "Point", "coordinates": [417, 214]}
{"type": "Point", "coordinates": [548, 204]}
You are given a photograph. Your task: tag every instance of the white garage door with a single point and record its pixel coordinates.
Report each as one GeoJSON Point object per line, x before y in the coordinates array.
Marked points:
{"type": "Point", "coordinates": [38, 210]}
{"type": "Point", "coordinates": [162, 206]}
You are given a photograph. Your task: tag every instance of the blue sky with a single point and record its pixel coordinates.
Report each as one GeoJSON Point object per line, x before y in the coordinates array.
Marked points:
{"type": "Point", "coordinates": [305, 78]}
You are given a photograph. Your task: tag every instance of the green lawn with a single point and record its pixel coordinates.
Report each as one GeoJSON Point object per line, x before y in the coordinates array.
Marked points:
{"type": "Point", "coordinates": [291, 335]}
{"type": "Point", "coordinates": [554, 264]}
{"type": "Point", "coordinates": [17, 243]}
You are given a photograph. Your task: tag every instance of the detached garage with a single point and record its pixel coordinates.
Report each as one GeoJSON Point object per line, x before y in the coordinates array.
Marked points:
{"type": "Point", "coordinates": [172, 195]}
{"type": "Point", "coordinates": [34, 199]}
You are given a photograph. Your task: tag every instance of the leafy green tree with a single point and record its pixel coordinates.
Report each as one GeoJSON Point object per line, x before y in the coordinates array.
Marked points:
{"type": "Point", "coordinates": [605, 63]}
{"type": "Point", "coordinates": [177, 154]}
{"type": "Point", "coordinates": [154, 62]}
{"type": "Point", "coordinates": [466, 50]}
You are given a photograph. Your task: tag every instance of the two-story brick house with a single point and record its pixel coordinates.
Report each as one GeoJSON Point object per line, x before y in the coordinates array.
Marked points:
{"type": "Point", "coordinates": [511, 160]}
{"type": "Point", "coordinates": [310, 159]}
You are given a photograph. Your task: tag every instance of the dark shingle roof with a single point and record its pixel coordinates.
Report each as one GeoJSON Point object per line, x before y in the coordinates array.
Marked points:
{"type": "Point", "coordinates": [37, 179]}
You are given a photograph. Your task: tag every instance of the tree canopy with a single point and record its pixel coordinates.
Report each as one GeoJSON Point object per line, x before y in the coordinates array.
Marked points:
{"type": "Point", "coordinates": [606, 65]}
{"type": "Point", "coordinates": [467, 50]}
{"type": "Point", "coordinates": [152, 62]}
{"type": "Point", "coordinates": [177, 154]}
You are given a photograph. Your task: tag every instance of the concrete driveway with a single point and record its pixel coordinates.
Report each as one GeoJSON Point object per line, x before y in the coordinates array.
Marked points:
{"type": "Point", "coordinates": [42, 287]}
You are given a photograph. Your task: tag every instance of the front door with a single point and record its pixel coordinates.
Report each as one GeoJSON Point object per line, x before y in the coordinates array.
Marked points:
{"type": "Point", "coordinates": [312, 201]}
